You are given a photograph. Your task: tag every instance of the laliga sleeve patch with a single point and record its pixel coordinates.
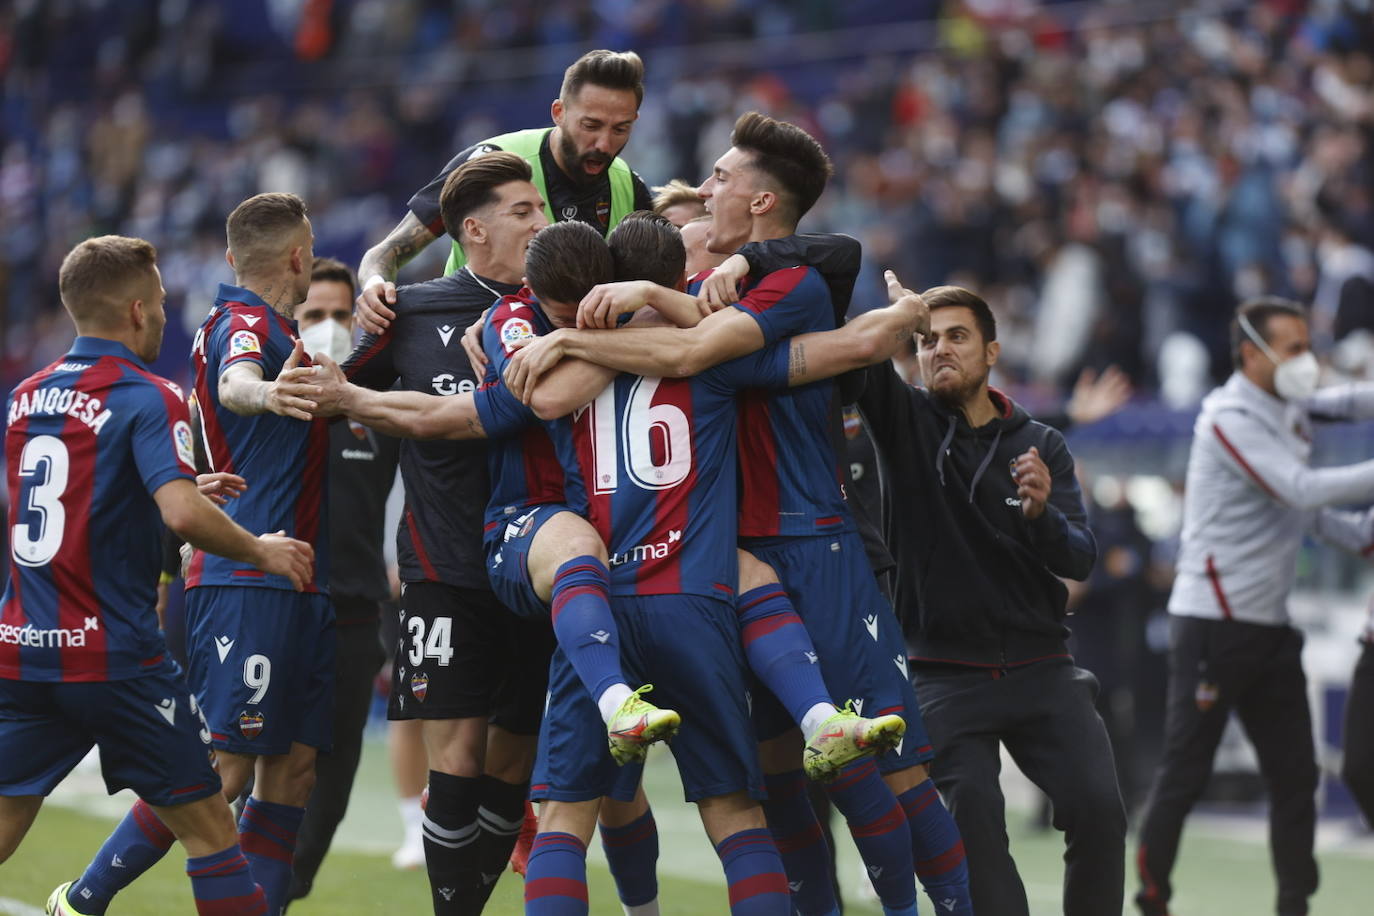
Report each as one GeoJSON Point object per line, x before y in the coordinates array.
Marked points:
{"type": "Point", "coordinates": [243, 342]}
{"type": "Point", "coordinates": [515, 331]}
{"type": "Point", "coordinates": [181, 438]}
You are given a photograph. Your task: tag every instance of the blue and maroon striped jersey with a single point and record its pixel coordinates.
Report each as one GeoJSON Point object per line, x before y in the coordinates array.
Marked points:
{"type": "Point", "coordinates": [523, 462]}
{"type": "Point", "coordinates": [657, 458]}
{"type": "Point", "coordinates": [89, 440]}
{"type": "Point", "coordinates": [790, 476]}
{"type": "Point", "coordinates": [284, 460]}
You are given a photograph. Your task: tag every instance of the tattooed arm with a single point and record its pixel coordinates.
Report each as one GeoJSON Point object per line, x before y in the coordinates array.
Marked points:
{"type": "Point", "coordinates": [380, 266]}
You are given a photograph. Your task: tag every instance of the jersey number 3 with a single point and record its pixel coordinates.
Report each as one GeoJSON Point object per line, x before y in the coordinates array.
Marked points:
{"type": "Point", "coordinates": [45, 500]}
{"type": "Point", "coordinates": [657, 439]}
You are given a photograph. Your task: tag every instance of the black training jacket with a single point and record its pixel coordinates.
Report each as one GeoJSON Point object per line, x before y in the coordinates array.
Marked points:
{"type": "Point", "coordinates": [976, 583]}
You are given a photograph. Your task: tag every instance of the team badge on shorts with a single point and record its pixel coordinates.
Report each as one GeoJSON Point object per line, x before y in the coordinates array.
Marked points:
{"type": "Point", "coordinates": [519, 526]}
{"type": "Point", "coordinates": [419, 685]}
{"type": "Point", "coordinates": [250, 724]}
{"type": "Point", "coordinates": [514, 331]}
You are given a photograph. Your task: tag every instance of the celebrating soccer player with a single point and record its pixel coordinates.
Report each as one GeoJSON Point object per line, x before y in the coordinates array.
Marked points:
{"type": "Point", "coordinates": [98, 448]}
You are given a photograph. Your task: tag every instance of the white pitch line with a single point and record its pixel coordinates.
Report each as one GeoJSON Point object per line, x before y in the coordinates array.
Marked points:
{"type": "Point", "coordinates": [10, 907]}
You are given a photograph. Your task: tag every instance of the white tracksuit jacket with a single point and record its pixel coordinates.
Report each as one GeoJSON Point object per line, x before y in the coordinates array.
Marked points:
{"type": "Point", "coordinates": [1250, 495]}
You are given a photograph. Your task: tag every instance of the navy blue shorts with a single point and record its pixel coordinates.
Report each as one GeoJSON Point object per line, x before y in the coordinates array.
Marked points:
{"type": "Point", "coordinates": [508, 560]}
{"type": "Point", "coordinates": [262, 662]}
{"type": "Point", "coordinates": [688, 647]}
{"type": "Point", "coordinates": [856, 635]}
{"type": "Point", "coordinates": [152, 736]}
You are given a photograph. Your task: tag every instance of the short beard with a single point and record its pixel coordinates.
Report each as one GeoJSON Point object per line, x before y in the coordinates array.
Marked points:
{"type": "Point", "coordinates": [573, 161]}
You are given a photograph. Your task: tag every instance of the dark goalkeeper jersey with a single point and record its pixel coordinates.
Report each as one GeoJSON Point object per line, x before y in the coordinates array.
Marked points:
{"type": "Point", "coordinates": [439, 538]}
{"type": "Point", "coordinates": [589, 203]}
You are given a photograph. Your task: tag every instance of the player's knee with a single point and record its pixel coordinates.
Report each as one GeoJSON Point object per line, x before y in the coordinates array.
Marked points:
{"type": "Point", "coordinates": [754, 573]}
{"type": "Point", "coordinates": [585, 542]}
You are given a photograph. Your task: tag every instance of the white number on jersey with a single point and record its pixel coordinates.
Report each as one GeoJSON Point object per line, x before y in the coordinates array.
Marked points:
{"type": "Point", "coordinates": [438, 646]}
{"type": "Point", "coordinates": [644, 425]}
{"type": "Point", "coordinates": [45, 499]}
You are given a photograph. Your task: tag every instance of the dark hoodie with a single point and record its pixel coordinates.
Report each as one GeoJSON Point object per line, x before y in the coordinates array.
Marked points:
{"type": "Point", "coordinates": [977, 584]}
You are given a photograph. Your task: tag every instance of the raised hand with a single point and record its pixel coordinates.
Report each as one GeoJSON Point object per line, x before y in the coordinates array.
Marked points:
{"type": "Point", "coordinates": [292, 393]}
{"type": "Point", "coordinates": [371, 306]}
{"type": "Point", "coordinates": [1032, 478]}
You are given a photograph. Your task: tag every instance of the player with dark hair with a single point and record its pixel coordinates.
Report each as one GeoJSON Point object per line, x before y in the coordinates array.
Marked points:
{"type": "Point", "coordinates": [470, 670]}
{"type": "Point", "coordinates": [261, 655]}
{"type": "Point", "coordinates": [362, 469]}
{"type": "Point", "coordinates": [793, 518]}
{"type": "Point", "coordinates": [575, 167]}
{"type": "Point", "coordinates": [99, 449]}
{"type": "Point", "coordinates": [986, 488]}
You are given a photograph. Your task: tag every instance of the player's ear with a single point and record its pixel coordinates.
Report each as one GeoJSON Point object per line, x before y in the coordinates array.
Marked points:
{"type": "Point", "coordinates": [994, 349]}
{"type": "Point", "coordinates": [229, 259]}
{"type": "Point", "coordinates": [763, 202]}
{"type": "Point", "coordinates": [297, 259]}
{"type": "Point", "coordinates": [473, 229]}
{"type": "Point", "coordinates": [138, 315]}
{"type": "Point", "coordinates": [556, 112]}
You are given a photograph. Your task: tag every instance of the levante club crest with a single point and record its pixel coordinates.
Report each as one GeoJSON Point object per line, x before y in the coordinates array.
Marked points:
{"type": "Point", "coordinates": [250, 723]}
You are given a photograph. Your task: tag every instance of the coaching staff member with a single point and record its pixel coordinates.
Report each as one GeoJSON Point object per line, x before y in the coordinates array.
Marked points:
{"type": "Point", "coordinates": [984, 517]}
{"type": "Point", "coordinates": [1248, 498]}
{"type": "Point", "coordinates": [576, 168]}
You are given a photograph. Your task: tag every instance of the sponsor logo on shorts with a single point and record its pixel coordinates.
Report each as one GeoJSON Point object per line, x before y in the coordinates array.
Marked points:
{"type": "Point", "coordinates": [243, 342]}
{"type": "Point", "coordinates": [901, 662]}
{"type": "Point", "coordinates": [419, 685]}
{"type": "Point", "coordinates": [250, 724]}
{"type": "Point", "coordinates": [600, 636]}
{"type": "Point", "coordinates": [167, 707]}
{"type": "Point", "coordinates": [811, 657]}
{"type": "Point", "coordinates": [519, 527]}
{"type": "Point", "coordinates": [641, 552]}
{"type": "Point", "coordinates": [871, 622]}
{"type": "Point", "coordinates": [57, 638]}
{"type": "Point", "coordinates": [222, 646]}
{"type": "Point", "coordinates": [858, 706]}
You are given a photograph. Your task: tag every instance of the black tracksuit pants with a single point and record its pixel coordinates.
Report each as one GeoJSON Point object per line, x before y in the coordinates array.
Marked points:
{"type": "Point", "coordinates": [1358, 767]}
{"type": "Point", "coordinates": [1216, 666]}
{"type": "Point", "coordinates": [1045, 715]}
{"type": "Point", "coordinates": [357, 660]}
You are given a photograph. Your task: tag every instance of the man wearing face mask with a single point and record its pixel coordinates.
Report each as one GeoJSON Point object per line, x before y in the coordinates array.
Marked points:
{"type": "Point", "coordinates": [362, 469]}
{"type": "Point", "coordinates": [1249, 497]}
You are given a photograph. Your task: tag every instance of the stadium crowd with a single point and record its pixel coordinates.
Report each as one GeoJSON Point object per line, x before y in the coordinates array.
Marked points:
{"type": "Point", "coordinates": [1038, 152]}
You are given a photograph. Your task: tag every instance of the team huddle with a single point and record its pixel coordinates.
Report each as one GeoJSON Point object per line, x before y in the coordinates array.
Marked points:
{"type": "Point", "coordinates": [626, 523]}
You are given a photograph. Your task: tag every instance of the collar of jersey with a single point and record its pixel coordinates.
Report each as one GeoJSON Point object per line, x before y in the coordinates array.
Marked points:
{"type": "Point", "coordinates": [231, 293]}
{"type": "Point", "coordinates": [96, 347]}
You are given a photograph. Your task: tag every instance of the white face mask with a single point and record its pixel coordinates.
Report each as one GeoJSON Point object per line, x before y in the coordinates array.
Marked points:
{"type": "Point", "coordinates": [1295, 378]}
{"type": "Point", "coordinates": [330, 338]}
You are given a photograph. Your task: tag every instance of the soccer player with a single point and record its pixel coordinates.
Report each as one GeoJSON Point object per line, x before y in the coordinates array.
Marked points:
{"type": "Point", "coordinates": [678, 203]}
{"type": "Point", "coordinates": [794, 518]}
{"type": "Point", "coordinates": [471, 671]}
{"type": "Point", "coordinates": [1248, 498]}
{"type": "Point", "coordinates": [575, 167]}
{"type": "Point", "coordinates": [362, 469]}
{"type": "Point", "coordinates": [261, 655]}
{"type": "Point", "coordinates": [415, 415]}
{"type": "Point", "coordinates": [98, 449]}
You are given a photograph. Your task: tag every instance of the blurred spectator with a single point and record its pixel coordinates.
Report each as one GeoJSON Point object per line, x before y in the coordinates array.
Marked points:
{"type": "Point", "coordinates": [1137, 171]}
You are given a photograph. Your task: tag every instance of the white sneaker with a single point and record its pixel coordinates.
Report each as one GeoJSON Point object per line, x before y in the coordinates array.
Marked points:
{"type": "Point", "coordinates": [410, 856]}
